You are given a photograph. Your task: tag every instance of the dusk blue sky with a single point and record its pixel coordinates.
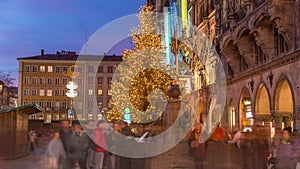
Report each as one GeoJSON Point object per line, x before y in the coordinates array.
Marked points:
{"type": "Point", "coordinates": [27, 26]}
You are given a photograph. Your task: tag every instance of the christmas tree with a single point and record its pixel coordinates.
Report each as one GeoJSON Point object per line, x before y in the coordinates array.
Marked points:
{"type": "Point", "coordinates": [142, 81]}
{"type": "Point", "coordinates": [114, 115]}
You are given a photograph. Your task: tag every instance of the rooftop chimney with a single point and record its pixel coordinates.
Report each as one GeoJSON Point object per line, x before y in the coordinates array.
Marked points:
{"type": "Point", "coordinates": [42, 52]}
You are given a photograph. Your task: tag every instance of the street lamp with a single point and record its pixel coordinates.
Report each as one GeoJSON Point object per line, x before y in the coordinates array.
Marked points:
{"type": "Point", "coordinates": [71, 93]}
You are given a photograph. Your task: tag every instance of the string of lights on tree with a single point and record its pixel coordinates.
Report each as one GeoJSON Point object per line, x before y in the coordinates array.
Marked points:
{"type": "Point", "coordinates": [141, 81]}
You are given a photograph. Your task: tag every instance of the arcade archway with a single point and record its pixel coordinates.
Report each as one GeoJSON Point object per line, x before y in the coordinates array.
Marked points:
{"type": "Point", "coordinates": [245, 109]}
{"type": "Point", "coordinates": [283, 105]}
{"type": "Point", "coordinates": [262, 101]}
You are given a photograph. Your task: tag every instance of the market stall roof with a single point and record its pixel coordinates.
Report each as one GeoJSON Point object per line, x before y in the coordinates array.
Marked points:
{"type": "Point", "coordinates": [28, 109]}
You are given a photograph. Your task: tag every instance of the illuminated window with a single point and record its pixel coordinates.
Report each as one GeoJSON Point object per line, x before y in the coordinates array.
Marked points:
{"type": "Point", "coordinates": [49, 92]}
{"type": "Point", "coordinates": [50, 68]}
{"type": "Point", "coordinates": [109, 92]}
{"type": "Point", "coordinates": [99, 92]}
{"type": "Point", "coordinates": [90, 116]}
{"type": "Point", "coordinates": [100, 117]}
{"type": "Point", "coordinates": [42, 92]}
{"type": "Point", "coordinates": [41, 117]}
{"type": "Point", "coordinates": [42, 68]}
{"type": "Point", "coordinates": [90, 92]}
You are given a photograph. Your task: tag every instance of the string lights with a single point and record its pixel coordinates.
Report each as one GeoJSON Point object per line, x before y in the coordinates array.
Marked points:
{"type": "Point", "coordinates": [147, 84]}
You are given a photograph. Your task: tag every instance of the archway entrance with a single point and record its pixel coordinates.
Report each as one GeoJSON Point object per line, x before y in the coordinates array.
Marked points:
{"type": "Point", "coordinates": [245, 110]}
{"type": "Point", "coordinates": [283, 105]}
{"type": "Point", "coordinates": [263, 110]}
{"type": "Point", "coordinates": [262, 101]}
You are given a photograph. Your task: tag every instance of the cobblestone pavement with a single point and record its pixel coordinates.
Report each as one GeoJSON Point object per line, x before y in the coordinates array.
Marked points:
{"type": "Point", "coordinates": [32, 161]}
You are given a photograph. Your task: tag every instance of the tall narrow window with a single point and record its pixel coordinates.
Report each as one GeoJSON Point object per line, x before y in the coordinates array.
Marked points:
{"type": "Point", "coordinates": [42, 80]}
{"type": "Point", "coordinates": [49, 92]}
{"type": "Point", "coordinates": [100, 80]}
{"type": "Point", "coordinates": [49, 80]}
{"type": "Point", "coordinates": [34, 92]}
{"type": "Point", "coordinates": [110, 69]}
{"type": "Point", "coordinates": [50, 68]}
{"type": "Point", "coordinates": [65, 69]}
{"type": "Point", "coordinates": [26, 92]}
{"type": "Point", "coordinates": [109, 79]}
{"type": "Point", "coordinates": [34, 68]}
{"type": "Point", "coordinates": [33, 80]}
{"type": "Point", "coordinates": [26, 80]}
{"type": "Point", "coordinates": [26, 68]}
{"type": "Point", "coordinates": [42, 68]}
{"type": "Point", "coordinates": [42, 92]}
{"type": "Point", "coordinates": [56, 80]}
{"type": "Point", "coordinates": [57, 69]}
{"type": "Point", "coordinates": [100, 69]}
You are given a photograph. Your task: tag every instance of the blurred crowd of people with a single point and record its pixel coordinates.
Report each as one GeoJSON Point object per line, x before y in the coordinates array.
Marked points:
{"type": "Point", "coordinates": [257, 149]}
{"type": "Point", "coordinates": [84, 146]}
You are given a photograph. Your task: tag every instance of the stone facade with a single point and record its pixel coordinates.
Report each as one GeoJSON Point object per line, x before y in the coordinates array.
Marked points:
{"type": "Point", "coordinates": [259, 45]}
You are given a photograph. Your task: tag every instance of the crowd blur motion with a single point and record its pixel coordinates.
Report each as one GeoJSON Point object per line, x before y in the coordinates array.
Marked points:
{"type": "Point", "coordinates": [85, 146]}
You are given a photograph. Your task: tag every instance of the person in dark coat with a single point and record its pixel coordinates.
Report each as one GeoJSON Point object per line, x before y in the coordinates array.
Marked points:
{"type": "Point", "coordinates": [249, 151]}
{"type": "Point", "coordinates": [79, 147]}
{"type": "Point", "coordinates": [262, 145]}
{"type": "Point", "coordinates": [285, 151]}
{"type": "Point", "coordinates": [65, 135]}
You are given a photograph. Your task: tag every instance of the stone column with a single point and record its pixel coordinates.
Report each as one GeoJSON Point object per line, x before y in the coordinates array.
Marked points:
{"type": "Point", "coordinates": [287, 121]}
{"type": "Point", "coordinates": [278, 118]}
